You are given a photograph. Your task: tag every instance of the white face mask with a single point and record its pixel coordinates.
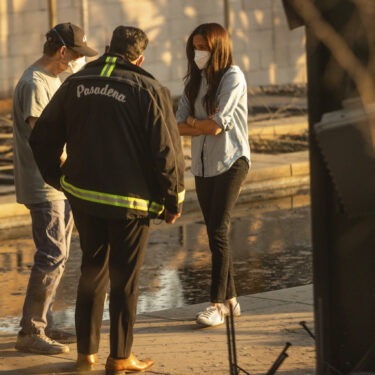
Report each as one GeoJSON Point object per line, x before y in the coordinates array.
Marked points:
{"type": "Point", "coordinates": [77, 65]}
{"type": "Point", "coordinates": [201, 58]}
{"type": "Point", "coordinates": [73, 67]}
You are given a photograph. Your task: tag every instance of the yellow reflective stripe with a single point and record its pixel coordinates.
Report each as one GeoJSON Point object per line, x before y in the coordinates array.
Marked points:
{"type": "Point", "coordinates": [111, 199]}
{"type": "Point", "coordinates": [112, 67]}
{"type": "Point", "coordinates": [156, 208]}
{"type": "Point", "coordinates": [108, 68]}
{"type": "Point", "coordinates": [181, 196]}
{"type": "Point", "coordinates": [105, 66]}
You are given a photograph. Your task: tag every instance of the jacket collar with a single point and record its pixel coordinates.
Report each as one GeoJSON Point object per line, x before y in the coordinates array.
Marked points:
{"type": "Point", "coordinates": [121, 63]}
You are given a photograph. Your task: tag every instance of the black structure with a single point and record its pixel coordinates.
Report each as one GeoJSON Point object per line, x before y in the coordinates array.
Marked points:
{"type": "Point", "coordinates": [343, 245]}
{"type": "Point", "coordinates": [234, 368]}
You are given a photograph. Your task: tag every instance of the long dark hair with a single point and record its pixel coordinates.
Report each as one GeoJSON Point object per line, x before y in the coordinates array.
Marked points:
{"type": "Point", "coordinates": [221, 59]}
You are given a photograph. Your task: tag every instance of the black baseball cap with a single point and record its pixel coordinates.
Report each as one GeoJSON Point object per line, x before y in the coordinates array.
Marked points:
{"type": "Point", "coordinates": [73, 37]}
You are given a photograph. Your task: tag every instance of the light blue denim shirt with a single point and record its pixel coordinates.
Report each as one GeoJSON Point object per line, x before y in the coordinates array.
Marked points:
{"type": "Point", "coordinates": [214, 154]}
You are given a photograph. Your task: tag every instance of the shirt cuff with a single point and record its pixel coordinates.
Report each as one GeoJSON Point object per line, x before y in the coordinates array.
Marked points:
{"type": "Point", "coordinates": [225, 122]}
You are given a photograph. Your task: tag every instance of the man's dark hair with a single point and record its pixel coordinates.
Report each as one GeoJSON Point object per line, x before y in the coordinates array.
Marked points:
{"type": "Point", "coordinates": [52, 44]}
{"type": "Point", "coordinates": [128, 41]}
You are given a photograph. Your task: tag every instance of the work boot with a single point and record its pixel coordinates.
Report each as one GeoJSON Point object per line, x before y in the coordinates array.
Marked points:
{"type": "Point", "coordinates": [120, 366]}
{"type": "Point", "coordinates": [64, 337]}
{"type": "Point", "coordinates": [86, 362]}
{"type": "Point", "coordinates": [39, 344]}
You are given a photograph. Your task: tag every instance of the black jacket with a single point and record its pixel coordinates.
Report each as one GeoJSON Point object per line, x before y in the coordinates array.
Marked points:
{"type": "Point", "coordinates": [124, 151]}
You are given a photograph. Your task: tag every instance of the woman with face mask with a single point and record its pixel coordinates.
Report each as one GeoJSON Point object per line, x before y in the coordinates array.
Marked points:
{"type": "Point", "coordinates": [213, 111]}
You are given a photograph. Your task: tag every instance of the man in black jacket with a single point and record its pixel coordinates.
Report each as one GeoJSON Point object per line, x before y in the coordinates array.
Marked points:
{"type": "Point", "coordinates": [124, 166]}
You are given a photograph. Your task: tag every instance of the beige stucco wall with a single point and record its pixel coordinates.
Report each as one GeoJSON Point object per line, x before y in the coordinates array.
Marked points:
{"type": "Point", "coordinates": [264, 47]}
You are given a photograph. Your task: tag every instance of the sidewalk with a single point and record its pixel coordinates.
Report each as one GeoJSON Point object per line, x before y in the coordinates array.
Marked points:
{"type": "Point", "coordinates": [179, 347]}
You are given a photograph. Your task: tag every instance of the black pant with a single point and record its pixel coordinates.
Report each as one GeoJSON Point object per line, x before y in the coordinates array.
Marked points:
{"type": "Point", "coordinates": [112, 250]}
{"type": "Point", "coordinates": [217, 196]}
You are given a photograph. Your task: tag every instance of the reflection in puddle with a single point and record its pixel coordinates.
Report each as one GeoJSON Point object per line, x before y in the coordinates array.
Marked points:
{"type": "Point", "coordinates": [168, 293]}
{"type": "Point", "coordinates": [271, 250]}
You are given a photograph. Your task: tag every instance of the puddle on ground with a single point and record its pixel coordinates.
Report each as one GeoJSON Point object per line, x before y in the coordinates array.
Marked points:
{"type": "Point", "coordinates": [271, 250]}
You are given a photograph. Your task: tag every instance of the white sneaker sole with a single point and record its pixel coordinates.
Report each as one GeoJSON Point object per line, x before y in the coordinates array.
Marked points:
{"type": "Point", "coordinates": [27, 349]}
{"type": "Point", "coordinates": [210, 324]}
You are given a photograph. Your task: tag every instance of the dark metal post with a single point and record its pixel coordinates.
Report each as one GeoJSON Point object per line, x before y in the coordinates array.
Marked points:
{"type": "Point", "coordinates": [233, 340]}
{"type": "Point", "coordinates": [231, 343]}
{"type": "Point", "coordinates": [307, 329]}
{"type": "Point", "coordinates": [279, 360]}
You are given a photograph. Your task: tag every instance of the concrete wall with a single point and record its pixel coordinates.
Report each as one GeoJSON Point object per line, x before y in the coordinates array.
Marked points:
{"type": "Point", "coordinates": [264, 47]}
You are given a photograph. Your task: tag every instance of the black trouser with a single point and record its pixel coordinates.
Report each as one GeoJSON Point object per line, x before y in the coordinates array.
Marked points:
{"type": "Point", "coordinates": [112, 250]}
{"type": "Point", "coordinates": [217, 196]}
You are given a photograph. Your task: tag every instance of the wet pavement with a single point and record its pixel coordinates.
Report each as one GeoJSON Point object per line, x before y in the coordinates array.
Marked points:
{"type": "Point", "coordinates": [271, 250]}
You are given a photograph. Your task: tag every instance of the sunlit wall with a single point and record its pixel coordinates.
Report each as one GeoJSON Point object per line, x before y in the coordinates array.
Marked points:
{"type": "Point", "coordinates": [264, 48]}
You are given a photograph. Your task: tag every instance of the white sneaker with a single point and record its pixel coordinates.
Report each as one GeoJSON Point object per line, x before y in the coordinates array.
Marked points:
{"type": "Point", "coordinates": [225, 310]}
{"type": "Point", "coordinates": [201, 312]}
{"type": "Point", "coordinates": [236, 310]}
{"type": "Point", "coordinates": [211, 317]}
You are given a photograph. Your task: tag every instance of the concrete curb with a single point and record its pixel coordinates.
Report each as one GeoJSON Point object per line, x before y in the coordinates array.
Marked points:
{"type": "Point", "coordinates": [289, 126]}
{"type": "Point", "coordinates": [262, 184]}
{"type": "Point", "coordinates": [272, 176]}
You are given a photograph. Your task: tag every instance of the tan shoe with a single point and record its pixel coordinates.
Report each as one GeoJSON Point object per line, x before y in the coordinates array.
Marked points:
{"type": "Point", "coordinates": [120, 366]}
{"type": "Point", "coordinates": [86, 362]}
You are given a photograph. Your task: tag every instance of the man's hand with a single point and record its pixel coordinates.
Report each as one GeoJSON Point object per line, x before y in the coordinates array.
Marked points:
{"type": "Point", "coordinates": [171, 218]}
{"type": "Point", "coordinates": [63, 156]}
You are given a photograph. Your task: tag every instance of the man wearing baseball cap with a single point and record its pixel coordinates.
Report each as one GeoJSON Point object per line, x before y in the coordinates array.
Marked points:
{"type": "Point", "coordinates": [73, 37]}
{"type": "Point", "coordinates": [50, 212]}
